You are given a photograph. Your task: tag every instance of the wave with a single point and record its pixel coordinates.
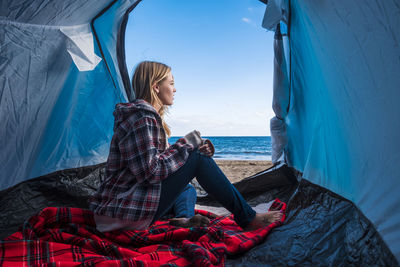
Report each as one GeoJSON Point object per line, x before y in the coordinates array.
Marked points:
{"type": "Point", "coordinates": [240, 147]}
{"type": "Point", "coordinates": [243, 152]}
{"type": "Point", "coordinates": [242, 157]}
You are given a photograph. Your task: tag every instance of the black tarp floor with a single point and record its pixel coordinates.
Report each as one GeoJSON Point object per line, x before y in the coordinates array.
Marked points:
{"type": "Point", "coordinates": [321, 228]}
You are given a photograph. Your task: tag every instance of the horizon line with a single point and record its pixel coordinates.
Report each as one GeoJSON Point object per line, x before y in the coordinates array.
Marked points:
{"type": "Point", "coordinates": [227, 136]}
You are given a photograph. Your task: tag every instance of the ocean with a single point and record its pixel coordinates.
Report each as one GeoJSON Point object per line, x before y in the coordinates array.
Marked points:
{"type": "Point", "coordinates": [239, 147]}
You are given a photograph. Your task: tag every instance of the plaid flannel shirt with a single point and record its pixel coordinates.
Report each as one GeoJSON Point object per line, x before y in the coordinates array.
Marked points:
{"type": "Point", "coordinates": [137, 163]}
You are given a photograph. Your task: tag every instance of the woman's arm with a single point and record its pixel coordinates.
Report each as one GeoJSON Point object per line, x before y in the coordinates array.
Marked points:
{"type": "Point", "coordinates": [139, 148]}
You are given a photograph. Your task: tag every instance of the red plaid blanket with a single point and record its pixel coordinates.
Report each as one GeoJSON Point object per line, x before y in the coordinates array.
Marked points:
{"type": "Point", "coordinates": [68, 237]}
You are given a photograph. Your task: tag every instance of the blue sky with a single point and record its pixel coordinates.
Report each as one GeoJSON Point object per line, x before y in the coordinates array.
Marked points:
{"type": "Point", "coordinates": [221, 59]}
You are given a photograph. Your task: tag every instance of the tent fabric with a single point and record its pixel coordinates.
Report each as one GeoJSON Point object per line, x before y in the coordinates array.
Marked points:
{"type": "Point", "coordinates": [335, 98]}
{"type": "Point", "coordinates": [321, 229]}
{"type": "Point", "coordinates": [342, 126]}
{"type": "Point", "coordinates": [281, 92]}
{"type": "Point", "coordinates": [45, 12]}
{"type": "Point", "coordinates": [281, 83]}
{"type": "Point", "coordinates": [277, 11]}
{"type": "Point", "coordinates": [59, 84]}
{"type": "Point", "coordinates": [109, 26]}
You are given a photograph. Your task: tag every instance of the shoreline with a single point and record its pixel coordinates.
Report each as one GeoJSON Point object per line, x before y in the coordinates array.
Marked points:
{"type": "Point", "coordinates": [236, 170]}
{"type": "Point", "coordinates": [232, 159]}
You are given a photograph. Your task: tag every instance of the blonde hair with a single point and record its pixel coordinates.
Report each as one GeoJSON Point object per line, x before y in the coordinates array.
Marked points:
{"type": "Point", "coordinates": [148, 73]}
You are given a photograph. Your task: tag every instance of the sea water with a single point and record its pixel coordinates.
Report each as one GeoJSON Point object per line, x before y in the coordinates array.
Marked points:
{"type": "Point", "coordinates": [239, 147]}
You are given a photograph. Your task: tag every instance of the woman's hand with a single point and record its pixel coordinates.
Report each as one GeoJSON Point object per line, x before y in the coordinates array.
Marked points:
{"type": "Point", "coordinates": [194, 138]}
{"type": "Point", "coordinates": [207, 148]}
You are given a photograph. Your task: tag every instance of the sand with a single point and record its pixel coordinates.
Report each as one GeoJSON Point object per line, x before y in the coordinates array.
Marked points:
{"type": "Point", "coordinates": [236, 170]}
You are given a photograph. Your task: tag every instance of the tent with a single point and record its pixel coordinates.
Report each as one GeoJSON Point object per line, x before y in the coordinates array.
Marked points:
{"type": "Point", "coordinates": [62, 70]}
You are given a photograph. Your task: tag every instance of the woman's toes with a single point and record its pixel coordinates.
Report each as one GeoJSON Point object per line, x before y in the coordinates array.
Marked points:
{"type": "Point", "coordinates": [278, 217]}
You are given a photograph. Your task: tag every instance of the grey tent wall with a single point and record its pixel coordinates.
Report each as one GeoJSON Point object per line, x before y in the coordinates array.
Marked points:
{"type": "Point", "coordinates": [342, 126]}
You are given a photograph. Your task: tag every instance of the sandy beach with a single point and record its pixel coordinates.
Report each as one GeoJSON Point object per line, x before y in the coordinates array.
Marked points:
{"type": "Point", "coordinates": [236, 170]}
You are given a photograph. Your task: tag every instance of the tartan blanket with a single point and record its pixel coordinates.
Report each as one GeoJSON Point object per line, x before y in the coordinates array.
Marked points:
{"type": "Point", "coordinates": [68, 237]}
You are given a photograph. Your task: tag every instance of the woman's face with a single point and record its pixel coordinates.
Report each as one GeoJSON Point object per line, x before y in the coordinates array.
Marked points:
{"type": "Point", "coordinates": [166, 90]}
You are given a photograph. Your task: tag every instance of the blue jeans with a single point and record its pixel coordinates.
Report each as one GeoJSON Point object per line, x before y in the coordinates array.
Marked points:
{"type": "Point", "coordinates": [184, 205]}
{"type": "Point", "coordinates": [212, 179]}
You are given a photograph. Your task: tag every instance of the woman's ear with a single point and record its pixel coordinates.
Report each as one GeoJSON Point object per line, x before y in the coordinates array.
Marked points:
{"type": "Point", "coordinates": [156, 88]}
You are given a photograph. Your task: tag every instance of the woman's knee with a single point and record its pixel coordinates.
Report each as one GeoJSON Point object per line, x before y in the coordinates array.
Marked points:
{"type": "Point", "coordinates": [198, 160]}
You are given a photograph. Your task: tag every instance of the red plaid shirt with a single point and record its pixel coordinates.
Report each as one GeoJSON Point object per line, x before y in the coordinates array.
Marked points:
{"type": "Point", "coordinates": [137, 163]}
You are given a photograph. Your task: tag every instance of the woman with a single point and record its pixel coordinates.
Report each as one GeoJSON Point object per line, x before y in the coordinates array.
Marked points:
{"type": "Point", "coordinates": [145, 176]}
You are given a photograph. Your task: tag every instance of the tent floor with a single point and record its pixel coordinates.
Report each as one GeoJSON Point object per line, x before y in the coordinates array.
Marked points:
{"type": "Point", "coordinates": [321, 228]}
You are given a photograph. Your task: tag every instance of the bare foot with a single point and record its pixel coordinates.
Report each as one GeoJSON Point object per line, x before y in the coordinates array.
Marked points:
{"type": "Point", "coordinates": [264, 219]}
{"type": "Point", "coordinates": [196, 221]}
